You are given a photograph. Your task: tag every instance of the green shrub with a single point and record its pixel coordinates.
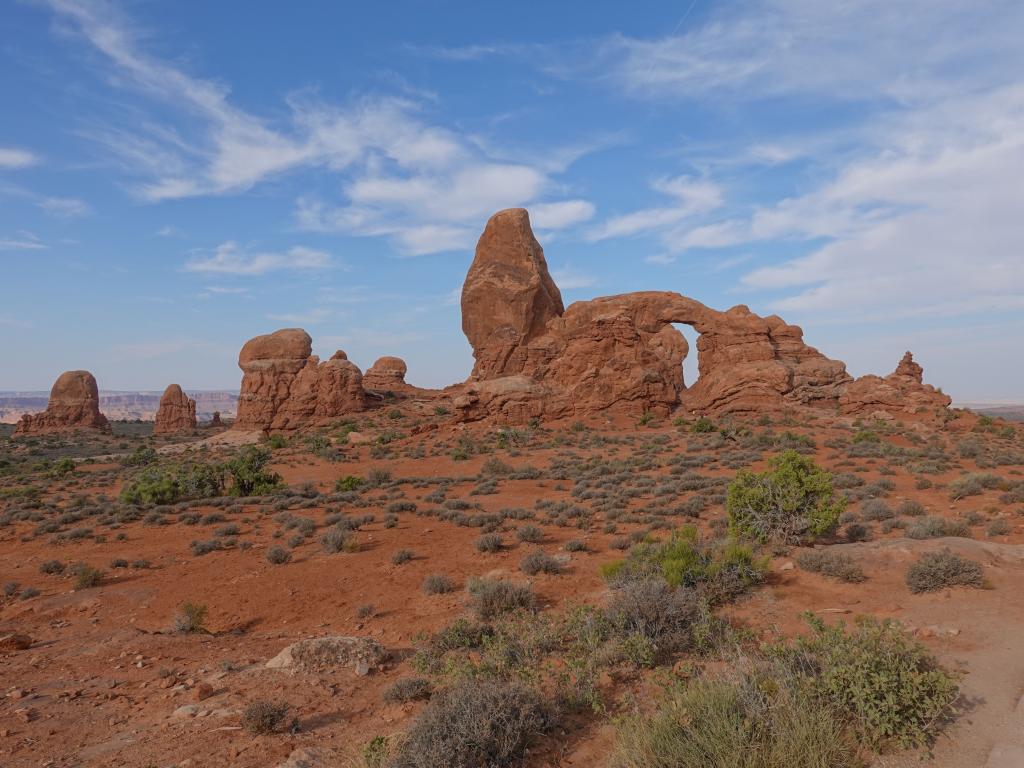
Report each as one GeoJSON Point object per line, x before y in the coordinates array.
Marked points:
{"type": "Point", "coordinates": [348, 483]}
{"type": "Point", "coordinates": [890, 687]}
{"type": "Point", "coordinates": [87, 576]}
{"type": "Point", "coordinates": [725, 570]}
{"type": "Point", "coordinates": [140, 457]}
{"type": "Point", "coordinates": [938, 570]}
{"type": "Point", "coordinates": [792, 501]}
{"type": "Point", "coordinates": [248, 473]}
{"type": "Point", "coordinates": [438, 584]}
{"type": "Point", "coordinates": [749, 721]}
{"type": "Point", "coordinates": [669, 618]}
{"type": "Point", "coordinates": [171, 484]}
{"type": "Point", "coordinates": [539, 561]}
{"type": "Point", "coordinates": [702, 425]}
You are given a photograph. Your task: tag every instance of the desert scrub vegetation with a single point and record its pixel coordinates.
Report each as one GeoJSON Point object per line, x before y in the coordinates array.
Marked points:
{"type": "Point", "coordinates": [191, 619]}
{"type": "Point", "coordinates": [474, 724]}
{"type": "Point", "coordinates": [938, 570]}
{"type": "Point", "coordinates": [491, 598]}
{"type": "Point", "coordinates": [171, 484]}
{"type": "Point", "coordinates": [823, 700]}
{"type": "Point", "coordinates": [723, 570]}
{"type": "Point", "coordinates": [249, 475]}
{"type": "Point", "coordinates": [438, 584]}
{"type": "Point", "coordinates": [793, 501]}
{"type": "Point", "coordinates": [836, 564]}
{"type": "Point", "coordinates": [265, 717]}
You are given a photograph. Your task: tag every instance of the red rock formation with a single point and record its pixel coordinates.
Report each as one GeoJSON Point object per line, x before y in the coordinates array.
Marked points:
{"type": "Point", "coordinates": [215, 420]}
{"type": "Point", "coordinates": [902, 392]}
{"type": "Point", "coordinates": [74, 404]}
{"type": "Point", "coordinates": [386, 375]}
{"type": "Point", "coordinates": [619, 353]}
{"type": "Point", "coordinates": [177, 412]}
{"type": "Point", "coordinates": [285, 387]}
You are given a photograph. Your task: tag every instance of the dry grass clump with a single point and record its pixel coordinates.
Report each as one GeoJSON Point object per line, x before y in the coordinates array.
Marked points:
{"type": "Point", "coordinates": [491, 598]}
{"type": "Point", "coordinates": [836, 564]}
{"type": "Point", "coordinates": [938, 570]}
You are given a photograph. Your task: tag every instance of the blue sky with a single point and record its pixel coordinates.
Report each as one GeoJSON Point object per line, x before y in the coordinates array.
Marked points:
{"type": "Point", "coordinates": [177, 178]}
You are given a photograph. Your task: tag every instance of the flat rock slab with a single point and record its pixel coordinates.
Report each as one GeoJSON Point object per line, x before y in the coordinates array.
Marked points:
{"type": "Point", "coordinates": [318, 653]}
{"type": "Point", "coordinates": [1006, 756]}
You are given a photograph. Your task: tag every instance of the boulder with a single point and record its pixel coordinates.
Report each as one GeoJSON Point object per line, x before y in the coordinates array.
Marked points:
{"type": "Point", "coordinates": [177, 412]}
{"type": "Point", "coordinates": [386, 375]}
{"type": "Point", "coordinates": [315, 654]}
{"type": "Point", "coordinates": [285, 387]}
{"type": "Point", "coordinates": [74, 404]}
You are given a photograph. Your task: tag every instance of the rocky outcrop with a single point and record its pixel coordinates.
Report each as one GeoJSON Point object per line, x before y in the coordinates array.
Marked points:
{"type": "Point", "coordinates": [177, 412]}
{"type": "Point", "coordinates": [286, 387]}
{"type": "Point", "coordinates": [902, 392]}
{"type": "Point", "coordinates": [508, 297]}
{"type": "Point", "coordinates": [314, 654]}
{"type": "Point", "coordinates": [386, 375]}
{"type": "Point", "coordinates": [215, 420]}
{"type": "Point", "coordinates": [621, 354]}
{"type": "Point", "coordinates": [74, 404]}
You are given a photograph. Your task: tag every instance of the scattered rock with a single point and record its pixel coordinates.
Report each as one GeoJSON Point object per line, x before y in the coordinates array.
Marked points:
{"type": "Point", "coordinates": [185, 711]}
{"type": "Point", "coordinates": [74, 404]}
{"type": "Point", "coordinates": [305, 757]}
{"type": "Point", "coordinates": [361, 654]}
{"type": "Point", "coordinates": [202, 691]}
{"type": "Point", "coordinates": [14, 642]}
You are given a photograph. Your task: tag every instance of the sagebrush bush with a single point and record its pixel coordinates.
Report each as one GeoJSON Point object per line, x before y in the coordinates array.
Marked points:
{"type": "Point", "coordinates": [529, 533]}
{"type": "Point", "coordinates": [938, 570]}
{"type": "Point", "coordinates": [489, 542]}
{"type": "Point", "coordinates": [263, 717]}
{"type": "Point", "coordinates": [669, 618]}
{"type": "Point", "coordinates": [402, 556]}
{"type": "Point", "coordinates": [829, 563]}
{"type": "Point", "coordinates": [277, 555]}
{"type": "Point", "coordinates": [190, 619]}
{"type": "Point", "coordinates": [438, 584]}
{"type": "Point", "coordinates": [792, 501]}
{"type": "Point", "coordinates": [539, 561]}
{"type": "Point", "coordinates": [87, 576]}
{"type": "Point", "coordinates": [474, 724]}
{"type": "Point", "coordinates": [494, 597]}
{"type": "Point", "coordinates": [407, 689]}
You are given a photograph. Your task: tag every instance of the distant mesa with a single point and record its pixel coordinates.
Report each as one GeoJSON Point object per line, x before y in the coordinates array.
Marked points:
{"type": "Point", "coordinates": [176, 414]}
{"type": "Point", "coordinates": [74, 404]}
{"type": "Point", "coordinates": [386, 375]}
{"type": "Point", "coordinates": [621, 354]}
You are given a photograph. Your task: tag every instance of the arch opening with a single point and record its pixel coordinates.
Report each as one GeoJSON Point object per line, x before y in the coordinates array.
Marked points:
{"type": "Point", "coordinates": [691, 365]}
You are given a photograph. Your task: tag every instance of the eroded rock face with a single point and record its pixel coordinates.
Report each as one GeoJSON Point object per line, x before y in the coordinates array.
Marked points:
{"type": "Point", "coordinates": [902, 392]}
{"type": "Point", "coordinates": [285, 387]}
{"type": "Point", "coordinates": [508, 297]}
{"type": "Point", "coordinates": [386, 375]}
{"type": "Point", "coordinates": [621, 354]}
{"type": "Point", "coordinates": [74, 404]}
{"type": "Point", "coordinates": [177, 412]}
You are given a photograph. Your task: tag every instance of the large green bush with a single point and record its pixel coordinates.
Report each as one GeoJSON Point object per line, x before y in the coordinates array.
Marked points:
{"type": "Point", "coordinates": [889, 686]}
{"type": "Point", "coordinates": [248, 474]}
{"type": "Point", "coordinates": [794, 500]}
{"type": "Point", "coordinates": [171, 484]}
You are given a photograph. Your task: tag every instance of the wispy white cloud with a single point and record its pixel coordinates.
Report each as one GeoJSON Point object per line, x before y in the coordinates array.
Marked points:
{"type": "Point", "coordinates": [65, 207]}
{"type": "Point", "coordinates": [22, 241]}
{"type": "Point", "coordinates": [14, 158]}
{"type": "Point", "coordinates": [569, 279]}
{"type": "Point", "coordinates": [691, 197]}
{"type": "Point", "coordinates": [231, 259]}
{"type": "Point", "coordinates": [310, 317]}
{"type": "Point", "coordinates": [565, 213]}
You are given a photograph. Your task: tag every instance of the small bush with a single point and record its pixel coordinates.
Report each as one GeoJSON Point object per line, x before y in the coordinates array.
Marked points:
{"type": "Point", "coordinates": [334, 541]}
{"type": "Point", "coordinates": [999, 527]}
{"type": "Point", "coordinates": [491, 598]}
{"type": "Point", "coordinates": [828, 563]}
{"type": "Point", "coordinates": [86, 576]}
{"type": "Point", "coordinates": [348, 483]}
{"type": "Point", "coordinates": [407, 689]}
{"type": "Point", "coordinates": [249, 475]}
{"type": "Point", "coordinates": [938, 570]}
{"type": "Point", "coordinates": [857, 532]}
{"type": "Point", "coordinates": [876, 509]}
{"type": "Point", "coordinates": [474, 724]}
{"type": "Point", "coordinates": [190, 619]}
{"type": "Point", "coordinates": [792, 501]}
{"type": "Point", "coordinates": [575, 545]}
{"type": "Point", "coordinates": [910, 508]}
{"type": "Point", "coordinates": [935, 527]}
{"type": "Point", "coordinates": [263, 717]}
{"type": "Point", "coordinates": [489, 542]}
{"type": "Point", "coordinates": [532, 534]}
{"type": "Point", "coordinates": [278, 555]}
{"type": "Point", "coordinates": [539, 561]}
{"type": "Point", "coordinates": [402, 556]}
{"type": "Point", "coordinates": [667, 617]}
{"type": "Point", "coordinates": [438, 584]}
{"type": "Point", "coordinates": [52, 567]}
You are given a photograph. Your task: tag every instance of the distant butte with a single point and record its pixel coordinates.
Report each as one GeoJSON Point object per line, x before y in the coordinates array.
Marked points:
{"type": "Point", "coordinates": [74, 404]}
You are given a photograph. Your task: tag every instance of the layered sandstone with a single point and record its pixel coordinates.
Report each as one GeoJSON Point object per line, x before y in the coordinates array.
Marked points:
{"type": "Point", "coordinates": [621, 354]}
{"type": "Point", "coordinates": [74, 404]}
{"type": "Point", "coordinates": [902, 392]}
{"type": "Point", "coordinates": [177, 412]}
{"type": "Point", "coordinates": [286, 387]}
{"type": "Point", "coordinates": [386, 375]}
